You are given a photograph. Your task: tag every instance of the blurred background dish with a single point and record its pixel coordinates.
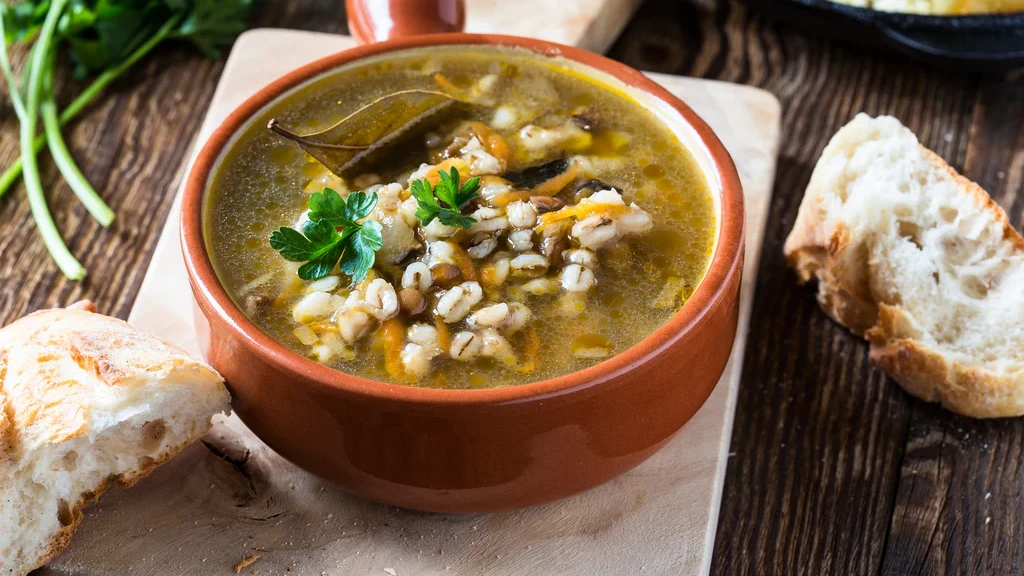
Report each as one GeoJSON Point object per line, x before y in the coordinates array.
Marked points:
{"type": "Point", "coordinates": [990, 43]}
{"type": "Point", "coordinates": [939, 7]}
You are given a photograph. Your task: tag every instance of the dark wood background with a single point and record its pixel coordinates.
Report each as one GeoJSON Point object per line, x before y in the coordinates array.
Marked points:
{"type": "Point", "coordinates": [834, 469]}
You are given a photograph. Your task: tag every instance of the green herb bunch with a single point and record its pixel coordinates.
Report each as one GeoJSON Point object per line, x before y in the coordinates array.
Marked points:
{"type": "Point", "coordinates": [333, 234]}
{"type": "Point", "coordinates": [103, 38]}
{"type": "Point", "coordinates": [445, 200]}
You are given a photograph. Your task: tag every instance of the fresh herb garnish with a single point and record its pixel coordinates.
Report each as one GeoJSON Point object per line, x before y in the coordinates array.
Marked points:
{"type": "Point", "coordinates": [332, 234]}
{"type": "Point", "coordinates": [448, 191]}
{"type": "Point", "coordinates": [341, 212]}
{"type": "Point", "coordinates": [103, 39]}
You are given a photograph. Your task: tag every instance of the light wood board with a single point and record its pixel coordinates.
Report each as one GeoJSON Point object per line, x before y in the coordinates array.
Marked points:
{"type": "Point", "coordinates": [231, 497]}
{"type": "Point", "coordinates": [590, 24]}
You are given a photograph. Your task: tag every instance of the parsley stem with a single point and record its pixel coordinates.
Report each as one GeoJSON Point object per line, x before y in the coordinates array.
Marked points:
{"type": "Point", "coordinates": [10, 176]}
{"type": "Point", "coordinates": [5, 65]}
{"type": "Point", "coordinates": [111, 74]}
{"type": "Point", "coordinates": [33, 186]}
{"type": "Point", "coordinates": [62, 156]}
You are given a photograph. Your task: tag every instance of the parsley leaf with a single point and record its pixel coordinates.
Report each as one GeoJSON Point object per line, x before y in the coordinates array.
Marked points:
{"type": "Point", "coordinates": [358, 260]}
{"type": "Point", "coordinates": [293, 246]}
{"type": "Point", "coordinates": [455, 219]}
{"type": "Point", "coordinates": [102, 38]}
{"type": "Point", "coordinates": [212, 25]}
{"type": "Point", "coordinates": [102, 34]}
{"type": "Point", "coordinates": [333, 234]}
{"type": "Point", "coordinates": [448, 191]}
{"type": "Point", "coordinates": [329, 205]}
{"type": "Point", "coordinates": [428, 207]}
{"type": "Point", "coordinates": [328, 248]}
{"type": "Point", "coordinates": [358, 205]}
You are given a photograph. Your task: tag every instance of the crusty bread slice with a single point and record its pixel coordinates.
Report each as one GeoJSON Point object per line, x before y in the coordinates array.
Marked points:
{"type": "Point", "coordinates": [919, 260]}
{"type": "Point", "coordinates": [86, 401]}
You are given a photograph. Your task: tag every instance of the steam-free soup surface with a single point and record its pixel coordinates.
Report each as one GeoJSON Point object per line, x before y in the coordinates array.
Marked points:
{"type": "Point", "coordinates": [553, 277]}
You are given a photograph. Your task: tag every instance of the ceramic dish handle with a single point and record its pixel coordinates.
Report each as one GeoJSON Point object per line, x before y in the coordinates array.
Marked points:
{"type": "Point", "coordinates": [378, 20]}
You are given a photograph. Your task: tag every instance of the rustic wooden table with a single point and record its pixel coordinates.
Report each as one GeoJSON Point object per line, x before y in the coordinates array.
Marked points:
{"type": "Point", "coordinates": [834, 470]}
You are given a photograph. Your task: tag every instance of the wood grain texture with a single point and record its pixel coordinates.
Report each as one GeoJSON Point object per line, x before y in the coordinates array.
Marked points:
{"type": "Point", "coordinates": [958, 506]}
{"type": "Point", "coordinates": [131, 146]}
{"type": "Point", "coordinates": [835, 470]}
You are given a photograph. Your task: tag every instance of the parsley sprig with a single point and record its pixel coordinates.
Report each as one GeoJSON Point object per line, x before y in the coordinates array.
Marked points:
{"type": "Point", "coordinates": [98, 38]}
{"type": "Point", "coordinates": [332, 234]}
{"type": "Point", "coordinates": [448, 191]}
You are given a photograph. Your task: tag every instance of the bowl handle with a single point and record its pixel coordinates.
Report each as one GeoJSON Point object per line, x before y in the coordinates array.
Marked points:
{"type": "Point", "coordinates": [378, 20]}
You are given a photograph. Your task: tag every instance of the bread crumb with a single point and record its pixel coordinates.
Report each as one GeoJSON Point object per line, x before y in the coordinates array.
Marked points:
{"type": "Point", "coordinates": [874, 213]}
{"type": "Point", "coordinates": [246, 562]}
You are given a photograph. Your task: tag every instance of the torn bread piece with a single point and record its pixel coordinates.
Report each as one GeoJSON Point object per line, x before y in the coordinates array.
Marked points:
{"type": "Point", "coordinates": [921, 262]}
{"type": "Point", "coordinates": [86, 401]}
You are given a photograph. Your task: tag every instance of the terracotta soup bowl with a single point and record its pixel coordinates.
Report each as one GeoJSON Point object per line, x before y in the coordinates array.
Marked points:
{"type": "Point", "coordinates": [487, 449]}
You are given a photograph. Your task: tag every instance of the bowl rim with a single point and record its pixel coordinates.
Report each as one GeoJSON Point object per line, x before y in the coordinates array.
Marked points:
{"type": "Point", "coordinates": [212, 297]}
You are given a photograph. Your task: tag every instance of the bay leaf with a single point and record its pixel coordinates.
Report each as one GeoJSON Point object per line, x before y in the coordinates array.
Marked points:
{"type": "Point", "coordinates": [368, 129]}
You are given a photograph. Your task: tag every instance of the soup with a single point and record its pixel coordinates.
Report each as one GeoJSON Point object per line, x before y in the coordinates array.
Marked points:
{"type": "Point", "coordinates": [540, 224]}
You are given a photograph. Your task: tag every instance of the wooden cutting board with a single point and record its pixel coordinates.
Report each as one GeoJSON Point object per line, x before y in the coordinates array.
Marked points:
{"type": "Point", "coordinates": [230, 497]}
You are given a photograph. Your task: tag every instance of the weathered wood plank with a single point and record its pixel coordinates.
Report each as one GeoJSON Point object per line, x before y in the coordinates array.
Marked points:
{"type": "Point", "coordinates": [959, 501]}
{"type": "Point", "coordinates": [820, 435]}
{"type": "Point", "coordinates": [131, 145]}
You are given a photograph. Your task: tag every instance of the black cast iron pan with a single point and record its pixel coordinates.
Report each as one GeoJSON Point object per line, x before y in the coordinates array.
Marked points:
{"type": "Point", "coordinates": [992, 43]}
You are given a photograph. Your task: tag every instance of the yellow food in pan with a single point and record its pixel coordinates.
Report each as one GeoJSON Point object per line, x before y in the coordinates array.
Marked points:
{"type": "Point", "coordinates": [940, 7]}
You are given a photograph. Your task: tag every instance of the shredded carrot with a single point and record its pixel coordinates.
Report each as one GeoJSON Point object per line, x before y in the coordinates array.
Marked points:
{"type": "Point", "coordinates": [531, 351]}
{"type": "Point", "coordinates": [554, 228]}
{"type": "Point", "coordinates": [553, 186]}
{"type": "Point", "coordinates": [464, 263]}
{"type": "Point", "coordinates": [492, 180]}
{"type": "Point", "coordinates": [510, 197]}
{"type": "Point", "coordinates": [393, 332]}
{"type": "Point", "coordinates": [446, 84]}
{"type": "Point", "coordinates": [433, 175]}
{"type": "Point", "coordinates": [461, 235]}
{"type": "Point", "coordinates": [324, 326]}
{"type": "Point", "coordinates": [287, 294]}
{"type": "Point", "coordinates": [488, 275]}
{"type": "Point", "coordinates": [496, 145]}
{"type": "Point", "coordinates": [444, 336]}
{"type": "Point", "coordinates": [582, 210]}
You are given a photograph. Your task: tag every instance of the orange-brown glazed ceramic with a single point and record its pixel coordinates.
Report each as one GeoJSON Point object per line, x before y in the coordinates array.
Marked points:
{"type": "Point", "coordinates": [379, 20]}
{"type": "Point", "coordinates": [472, 450]}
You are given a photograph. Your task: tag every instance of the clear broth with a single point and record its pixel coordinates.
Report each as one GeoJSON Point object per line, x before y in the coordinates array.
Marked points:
{"type": "Point", "coordinates": [261, 185]}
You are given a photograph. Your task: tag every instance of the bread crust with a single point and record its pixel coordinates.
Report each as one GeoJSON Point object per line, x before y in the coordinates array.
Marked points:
{"type": "Point", "coordinates": [128, 479]}
{"type": "Point", "coordinates": [922, 371]}
{"type": "Point", "coordinates": [927, 374]}
{"type": "Point", "coordinates": [117, 356]}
